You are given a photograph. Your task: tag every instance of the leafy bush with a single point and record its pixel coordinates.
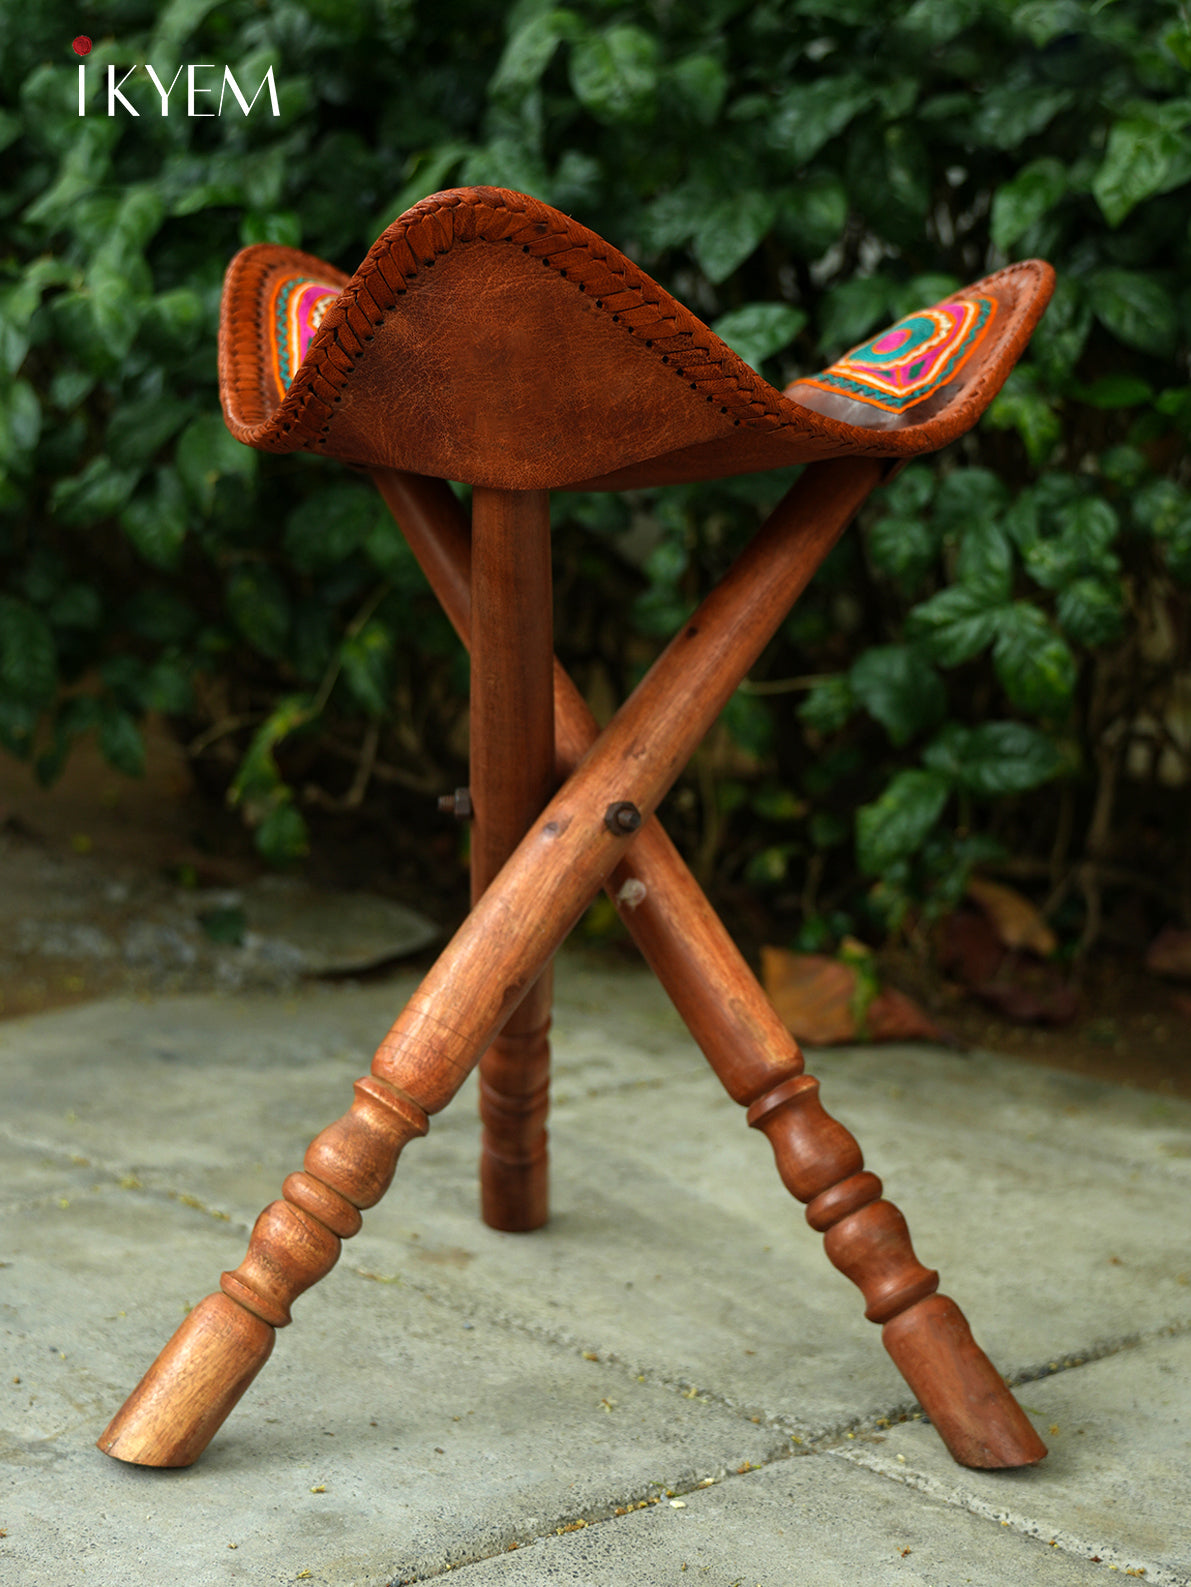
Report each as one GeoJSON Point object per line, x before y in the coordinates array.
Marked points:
{"type": "Point", "coordinates": [1011, 617]}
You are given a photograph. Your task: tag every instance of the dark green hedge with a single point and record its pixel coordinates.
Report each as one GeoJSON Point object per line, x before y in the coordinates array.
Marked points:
{"type": "Point", "coordinates": [991, 667]}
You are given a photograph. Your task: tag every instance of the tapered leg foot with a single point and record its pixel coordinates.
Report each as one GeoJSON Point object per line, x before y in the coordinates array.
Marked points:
{"type": "Point", "coordinates": [193, 1386]}
{"type": "Point", "coordinates": [959, 1388]}
{"type": "Point", "coordinates": [189, 1391]}
{"type": "Point", "coordinates": [867, 1239]}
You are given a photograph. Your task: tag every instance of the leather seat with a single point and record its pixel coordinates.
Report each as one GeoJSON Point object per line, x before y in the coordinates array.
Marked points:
{"type": "Point", "coordinates": [489, 339]}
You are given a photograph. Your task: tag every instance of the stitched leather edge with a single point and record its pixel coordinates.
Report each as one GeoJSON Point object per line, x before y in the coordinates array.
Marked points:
{"type": "Point", "coordinates": [646, 311]}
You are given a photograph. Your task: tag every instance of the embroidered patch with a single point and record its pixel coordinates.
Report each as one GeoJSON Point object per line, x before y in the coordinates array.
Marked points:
{"type": "Point", "coordinates": [297, 310]}
{"type": "Point", "coordinates": [911, 360]}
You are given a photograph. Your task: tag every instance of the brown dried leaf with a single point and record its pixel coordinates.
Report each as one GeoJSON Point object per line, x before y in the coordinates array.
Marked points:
{"type": "Point", "coordinates": [816, 999]}
{"type": "Point", "coordinates": [1015, 919]}
{"type": "Point", "coordinates": [1029, 993]}
{"type": "Point", "coordinates": [968, 948]}
{"type": "Point", "coordinates": [812, 994]}
{"type": "Point", "coordinates": [892, 1016]}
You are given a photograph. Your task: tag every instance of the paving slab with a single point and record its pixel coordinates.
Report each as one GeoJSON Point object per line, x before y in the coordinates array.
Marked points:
{"type": "Point", "coordinates": [385, 1438]}
{"type": "Point", "coordinates": [676, 1321]}
{"type": "Point", "coordinates": [1049, 1203]}
{"type": "Point", "coordinates": [1115, 1485]}
{"type": "Point", "coordinates": [795, 1522]}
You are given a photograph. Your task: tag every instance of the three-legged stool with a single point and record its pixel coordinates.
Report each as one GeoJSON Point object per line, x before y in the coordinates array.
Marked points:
{"type": "Point", "coordinates": [489, 339]}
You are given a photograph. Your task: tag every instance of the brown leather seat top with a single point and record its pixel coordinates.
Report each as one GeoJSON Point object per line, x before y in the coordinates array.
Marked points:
{"type": "Point", "coordinates": [490, 339]}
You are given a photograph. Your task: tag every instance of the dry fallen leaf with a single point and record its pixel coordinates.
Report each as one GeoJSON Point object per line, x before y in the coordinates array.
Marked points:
{"type": "Point", "coordinates": [1014, 918]}
{"type": "Point", "coordinates": [824, 1002]}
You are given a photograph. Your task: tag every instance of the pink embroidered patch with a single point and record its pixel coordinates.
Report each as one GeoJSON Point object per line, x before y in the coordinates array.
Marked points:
{"type": "Point", "coordinates": [296, 313]}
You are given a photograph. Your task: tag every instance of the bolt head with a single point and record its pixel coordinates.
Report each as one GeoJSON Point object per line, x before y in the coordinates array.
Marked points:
{"type": "Point", "coordinates": [622, 818]}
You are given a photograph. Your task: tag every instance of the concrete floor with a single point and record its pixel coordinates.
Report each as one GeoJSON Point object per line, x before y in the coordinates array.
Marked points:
{"type": "Point", "coordinates": [668, 1384]}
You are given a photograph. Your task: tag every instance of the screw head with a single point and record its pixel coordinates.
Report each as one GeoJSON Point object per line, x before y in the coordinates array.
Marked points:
{"type": "Point", "coordinates": [457, 804]}
{"type": "Point", "coordinates": [622, 818]}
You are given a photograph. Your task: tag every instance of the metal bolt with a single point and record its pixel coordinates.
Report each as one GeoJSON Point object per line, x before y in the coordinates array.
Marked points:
{"type": "Point", "coordinates": [622, 818]}
{"type": "Point", "coordinates": [457, 804]}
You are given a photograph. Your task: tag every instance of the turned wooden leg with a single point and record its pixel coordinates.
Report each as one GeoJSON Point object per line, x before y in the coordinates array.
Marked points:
{"type": "Point", "coordinates": [188, 1392]}
{"type": "Point", "coordinates": [728, 1014]}
{"type": "Point", "coordinates": [511, 721]}
{"type": "Point", "coordinates": [492, 962]}
{"type": "Point", "coordinates": [866, 1238]}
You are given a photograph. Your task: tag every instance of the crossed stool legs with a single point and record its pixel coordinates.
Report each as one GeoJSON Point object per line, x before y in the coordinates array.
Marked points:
{"type": "Point", "coordinates": [584, 837]}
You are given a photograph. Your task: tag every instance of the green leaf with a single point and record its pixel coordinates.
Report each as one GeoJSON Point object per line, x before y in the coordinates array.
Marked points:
{"type": "Point", "coordinates": [985, 562]}
{"type": "Point", "coordinates": [116, 309]}
{"type": "Point", "coordinates": [1143, 157]}
{"type": "Point", "coordinates": [1091, 611]}
{"type": "Point", "coordinates": [732, 230]}
{"type": "Point", "coordinates": [749, 724]}
{"type": "Point", "coordinates": [1136, 308]}
{"type": "Point", "coordinates": [1033, 662]}
{"type": "Point", "coordinates": [257, 783]}
{"type": "Point", "coordinates": [1024, 200]}
{"type": "Point", "coordinates": [1044, 20]}
{"type": "Point", "coordinates": [955, 624]}
{"type": "Point", "coordinates": [98, 492]}
{"type": "Point", "coordinates": [897, 824]}
{"type": "Point", "coordinates": [282, 226]}
{"type": "Point", "coordinates": [937, 22]}
{"type": "Point", "coordinates": [852, 309]}
{"type": "Point", "coordinates": [259, 606]}
{"type": "Point", "coordinates": [758, 330]}
{"type": "Point", "coordinates": [698, 84]}
{"type": "Point", "coordinates": [813, 212]}
{"type": "Point", "coordinates": [283, 836]}
{"type": "Point", "coordinates": [809, 115]}
{"type": "Point", "coordinates": [529, 51]}
{"type": "Point", "coordinates": [138, 429]}
{"type": "Point", "coordinates": [329, 525]}
{"type": "Point", "coordinates": [968, 496]}
{"type": "Point", "coordinates": [898, 686]}
{"type": "Point", "coordinates": [1161, 507]}
{"type": "Point", "coordinates": [1059, 340]}
{"type": "Point", "coordinates": [1087, 526]}
{"type": "Point", "coordinates": [911, 491]}
{"type": "Point", "coordinates": [156, 521]}
{"type": "Point", "coordinates": [614, 74]}
{"type": "Point", "coordinates": [1017, 109]}
{"type": "Point", "coordinates": [121, 741]}
{"type": "Point", "coordinates": [828, 705]}
{"type": "Point", "coordinates": [904, 548]}
{"type": "Point", "coordinates": [995, 758]}
{"type": "Point", "coordinates": [20, 424]}
{"type": "Point", "coordinates": [168, 689]}
{"type": "Point", "coordinates": [1021, 406]}
{"type": "Point", "coordinates": [18, 724]}
{"type": "Point", "coordinates": [1117, 391]}
{"type": "Point", "coordinates": [366, 659]}
{"type": "Point", "coordinates": [77, 606]}
{"type": "Point", "coordinates": [1126, 466]}
{"type": "Point", "coordinates": [206, 453]}
{"type": "Point", "coordinates": [28, 665]}
{"type": "Point", "coordinates": [173, 322]}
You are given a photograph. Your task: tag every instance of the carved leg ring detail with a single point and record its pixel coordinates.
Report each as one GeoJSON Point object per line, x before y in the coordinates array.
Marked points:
{"type": "Point", "coordinates": [866, 1238]}
{"type": "Point", "coordinates": [196, 1381]}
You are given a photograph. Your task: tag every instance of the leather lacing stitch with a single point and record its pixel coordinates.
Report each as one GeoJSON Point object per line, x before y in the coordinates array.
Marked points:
{"type": "Point", "coordinates": [432, 228]}
{"type": "Point", "coordinates": [414, 243]}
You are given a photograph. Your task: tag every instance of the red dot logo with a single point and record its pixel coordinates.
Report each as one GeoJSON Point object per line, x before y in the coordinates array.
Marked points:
{"type": "Point", "coordinates": [81, 45]}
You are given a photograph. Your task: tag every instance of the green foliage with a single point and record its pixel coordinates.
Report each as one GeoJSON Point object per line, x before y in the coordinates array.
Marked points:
{"type": "Point", "coordinates": [800, 173]}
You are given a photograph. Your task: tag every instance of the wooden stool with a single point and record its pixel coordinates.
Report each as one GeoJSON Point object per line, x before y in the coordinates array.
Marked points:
{"type": "Point", "coordinates": [489, 339]}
